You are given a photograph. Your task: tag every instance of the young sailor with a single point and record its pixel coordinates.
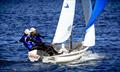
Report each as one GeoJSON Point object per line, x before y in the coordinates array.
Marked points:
{"type": "Point", "coordinates": [39, 44]}
{"type": "Point", "coordinates": [26, 40]}
{"type": "Point", "coordinates": [36, 38]}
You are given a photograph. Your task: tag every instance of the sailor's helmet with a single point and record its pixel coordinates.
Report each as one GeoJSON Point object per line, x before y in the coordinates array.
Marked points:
{"type": "Point", "coordinates": [32, 29]}
{"type": "Point", "coordinates": [27, 31]}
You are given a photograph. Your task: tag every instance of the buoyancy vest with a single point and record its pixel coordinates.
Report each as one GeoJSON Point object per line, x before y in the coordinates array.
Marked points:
{"type": "Point", "coordinates": [27, 43]}
{"type": "Point", "coordinates": [37, 39]}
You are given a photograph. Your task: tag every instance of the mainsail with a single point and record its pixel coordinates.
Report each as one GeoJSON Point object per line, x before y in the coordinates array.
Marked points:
{"type": "Point", "coordinates": [90, 31]}
{"type": "Point", "coordinates": [65, 23]}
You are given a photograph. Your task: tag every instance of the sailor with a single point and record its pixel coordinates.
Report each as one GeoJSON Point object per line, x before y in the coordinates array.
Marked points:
{"type": "Point", "coordinates": [36, 38]}
{"type": "Point", "coordinates": [39, 44]}
{"type": "Point", "coordinates": [26, 40]}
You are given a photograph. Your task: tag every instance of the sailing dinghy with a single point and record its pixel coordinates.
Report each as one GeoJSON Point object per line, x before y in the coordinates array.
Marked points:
{"type": "Point", "coordinates": [64, 29]}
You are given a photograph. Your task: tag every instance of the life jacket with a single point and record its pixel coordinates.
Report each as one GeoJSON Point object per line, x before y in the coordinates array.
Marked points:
{"type": "Point", "coordinates": [37, 39]}
{"type": "Point", "coordinates": [27, 43]}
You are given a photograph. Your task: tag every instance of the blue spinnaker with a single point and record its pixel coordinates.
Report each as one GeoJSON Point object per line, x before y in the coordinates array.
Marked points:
{"type": "Point", "coordinates": [99, 6]}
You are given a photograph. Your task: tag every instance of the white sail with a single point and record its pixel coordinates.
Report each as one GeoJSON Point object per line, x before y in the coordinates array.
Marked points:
{"type": "Point", "coordinates": [89, 39]}
{"type": "Point", "coordinates": [65, 23]}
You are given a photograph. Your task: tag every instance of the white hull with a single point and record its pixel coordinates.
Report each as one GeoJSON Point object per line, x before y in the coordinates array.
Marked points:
{"type": "Point", "coordinates": [62, 58]}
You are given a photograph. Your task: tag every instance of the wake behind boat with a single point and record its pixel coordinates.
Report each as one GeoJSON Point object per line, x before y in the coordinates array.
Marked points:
{"type": "Point", "coordinates": [64, 32]}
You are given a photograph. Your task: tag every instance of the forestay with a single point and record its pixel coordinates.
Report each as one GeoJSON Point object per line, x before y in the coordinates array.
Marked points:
{"type": "Point", "coordinates": [65, 23]}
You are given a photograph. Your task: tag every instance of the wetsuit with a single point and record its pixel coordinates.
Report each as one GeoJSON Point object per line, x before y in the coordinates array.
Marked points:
{"type": "Point", "coordinates": [27, 43]}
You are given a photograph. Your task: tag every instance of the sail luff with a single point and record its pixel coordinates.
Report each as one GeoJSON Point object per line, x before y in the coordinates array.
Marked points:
{"type": "Point", "coordinates": [65, 23]}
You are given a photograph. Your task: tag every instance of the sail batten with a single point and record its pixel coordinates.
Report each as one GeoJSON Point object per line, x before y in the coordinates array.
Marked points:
{"type": "Point", "coordinates": [65, 23]}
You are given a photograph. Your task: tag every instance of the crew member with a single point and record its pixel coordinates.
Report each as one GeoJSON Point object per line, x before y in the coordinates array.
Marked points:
{"type": "Point", "coordinates": [26, 40]}
{"type": "Point", "coordinates": [39, 45]}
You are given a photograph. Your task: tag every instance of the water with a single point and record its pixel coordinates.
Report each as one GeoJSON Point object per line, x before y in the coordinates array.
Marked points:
{"type": "Point", "coordinates": [16, 15]}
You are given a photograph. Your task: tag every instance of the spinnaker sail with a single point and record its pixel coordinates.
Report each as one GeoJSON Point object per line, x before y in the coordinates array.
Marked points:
{"type": "Point", "coordinates": [65, 23]}
{"type": "Point", "coordinates": [87, 9]}
{"type": "Point", "coordinates": [99, 6]}
{"type": "Point", "coordinates": [89, 39]}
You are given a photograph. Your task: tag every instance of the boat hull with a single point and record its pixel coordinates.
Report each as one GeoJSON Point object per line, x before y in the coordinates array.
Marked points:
{"type": "Point", "coordinates": [35, 55]}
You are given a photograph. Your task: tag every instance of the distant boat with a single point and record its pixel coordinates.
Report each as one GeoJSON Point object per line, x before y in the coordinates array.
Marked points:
{"type": "Point", "coordinates": [64, 32]}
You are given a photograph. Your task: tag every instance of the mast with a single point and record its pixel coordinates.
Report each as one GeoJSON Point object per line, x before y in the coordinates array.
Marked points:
{"type": "Point", "coordinates": [70, 41]}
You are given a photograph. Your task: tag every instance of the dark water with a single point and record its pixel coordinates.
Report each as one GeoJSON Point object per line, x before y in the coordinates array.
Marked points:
{"type": "Point", "coordinates": [16, 15]}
